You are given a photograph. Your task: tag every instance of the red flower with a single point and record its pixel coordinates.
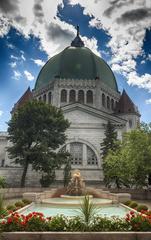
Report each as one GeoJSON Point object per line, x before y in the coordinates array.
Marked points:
{"type": "Point", "coordinates": [132, 212]}
{"type": "Point", "coordinates": [9, 220]}
{"type": "Point", "coordinates": [23, 223]}
{"type": "Point", "coordinates": [3, 222]}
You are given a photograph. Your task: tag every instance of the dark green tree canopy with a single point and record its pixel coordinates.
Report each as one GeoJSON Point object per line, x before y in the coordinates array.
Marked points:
{"type": "Point", "coordinates": [36, 130]}
{"type": "Point", "coordinates": [130, 164]}
{"type": "Point", "coordinates": [110, 140]}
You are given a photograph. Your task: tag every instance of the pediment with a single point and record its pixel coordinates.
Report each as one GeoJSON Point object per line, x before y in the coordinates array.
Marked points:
{"type": "Point", "coordinates": [79, 113]}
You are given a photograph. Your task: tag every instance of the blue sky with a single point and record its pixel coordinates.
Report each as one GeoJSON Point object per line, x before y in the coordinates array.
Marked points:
{"type": "Point", "coordinates": [119, 31]}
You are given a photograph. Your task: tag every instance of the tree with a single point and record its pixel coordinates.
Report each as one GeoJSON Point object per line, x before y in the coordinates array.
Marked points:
{"type": "Point", "coordinates": [36, 130]}
{"type": "Point", "coordinates": [130, 164]}
{"type": "Point", "coordinates": [110, 140]}
{"type": "Point", "coordinates": [146, 127]}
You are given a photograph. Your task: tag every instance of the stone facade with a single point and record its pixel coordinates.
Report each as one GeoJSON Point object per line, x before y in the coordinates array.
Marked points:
{"type": "Point", "coordinates": [89, 99]}
{"type": "Point", "coordinates": [88, 120]}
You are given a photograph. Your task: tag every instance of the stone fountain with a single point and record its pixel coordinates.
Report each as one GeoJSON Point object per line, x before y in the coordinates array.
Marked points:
{"type": "Point", "coordinates": [76, 188]}
{"type": "Point", "coordinates": [75, 191]}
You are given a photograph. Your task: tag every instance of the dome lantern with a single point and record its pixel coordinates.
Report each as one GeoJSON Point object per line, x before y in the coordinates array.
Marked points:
{"type": "Point", "coordinates": [77, 42]}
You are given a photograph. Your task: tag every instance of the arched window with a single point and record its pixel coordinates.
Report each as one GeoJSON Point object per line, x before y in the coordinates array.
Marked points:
{"type": "Point", "coordinates": [39, 98]}
{"type": "Point", "coordinates": [91, 157]}
{"type": "Point", "coordinates": [112, 104]}
{"type": "Point", "coordinates": [49, 97]}
{"type": "Point", "coordinates": [63, 96]}
{"type": "Point", "coordinates": [81, 96]}
{"type": "Point", "coordinates": [76, 151]}
{"type": "Point", "coordinates": [108, 102]}
{"type": "Point", "coordinates": [103, 99]}
{"type": "Point", "coordinates": [81, 154]}
{"type": "Point", "coordinates": [89, 97]}
{"type": "Point", "coordinates": [72, 96]}
{"type": "Point", "coordinates": [44, 97]}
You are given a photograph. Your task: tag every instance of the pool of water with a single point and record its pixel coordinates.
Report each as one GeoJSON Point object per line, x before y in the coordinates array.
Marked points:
{"type": "Point", "coordinates": [49, 210]}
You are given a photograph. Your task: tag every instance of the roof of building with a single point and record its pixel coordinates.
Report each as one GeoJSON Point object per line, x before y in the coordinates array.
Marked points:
{"type": "Point", "coordinates": [24, 98]}
{"type": "Point", "coordinates": [125, 104]}
{"type": "Point", "coordinates": [76, 62]}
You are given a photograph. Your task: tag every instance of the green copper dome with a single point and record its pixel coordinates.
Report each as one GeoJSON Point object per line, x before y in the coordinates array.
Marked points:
{"type": "Point", "coordinates": [76, 62]}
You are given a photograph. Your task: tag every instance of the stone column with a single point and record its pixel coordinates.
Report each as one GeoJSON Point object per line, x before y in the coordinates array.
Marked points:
{"type": "Point", "coordinates": [84, 155]}
{"type": "Point", "coordinates": [76, 97]}
{"type": "Point", "coordinates": [85, 97]}
{"type": "Point", "coordinates": [68, 95]}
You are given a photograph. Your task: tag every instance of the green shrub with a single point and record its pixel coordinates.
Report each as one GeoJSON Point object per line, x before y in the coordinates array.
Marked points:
{"type": "Point", "coordinates": [127, 203]}
{"type": "Point", "coordinates": [3, 211]}
{"type": "Point", "coordinates": [11, 207]}
{"type": "Point", "coordinates": [75, 225]}
{"type": "Point", "coordinates": [58, 223]}
{"type": "Point", "coordinates": [87, 211]}
{"type": "Point", "coordinates": [2, 182]}
{"type": "Point", "coordinates": [142, 207]}
{"type": "Point", "coordinates": [103, 224]}
{"type": "Point", "coordinates": [133, 204]}
{"type": "Point", "coordinates": [19, 204]}
{"type": "Point", "coordinates": [26, 201]}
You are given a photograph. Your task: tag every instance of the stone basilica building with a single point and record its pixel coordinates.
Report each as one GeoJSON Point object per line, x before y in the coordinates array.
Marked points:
{"type": "Point", "coordinates": [84, 87]}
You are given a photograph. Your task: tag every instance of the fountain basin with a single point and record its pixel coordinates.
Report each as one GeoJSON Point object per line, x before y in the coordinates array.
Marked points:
{"type": "Point", "coordinates": [74, 197]}
{"type": "Point", "coordinates": [71, 211]}
{"type": "Point", "coordinates": [75, 201]}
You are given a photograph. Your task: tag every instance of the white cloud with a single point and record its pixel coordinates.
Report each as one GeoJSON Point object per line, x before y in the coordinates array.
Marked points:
{"type": "Point", "coordinates": [28, 75]}
{"type": "Point", "coordinates": [4, 25]}
{"type": "Point", "coordinates": [143, 61]}
{"type": "Point", "coordinates": [14, 57]}
{"type": "Point", "coordinates": [39, 62]}
{"type": "Point", "coordinates": [41, 21]}
{"type": "Point", "coordinates": [148, 101]}
{"type": "Point", "coordinates": [13, 64]}
{"type": "Point", "coordinates": [143, 81]}
{"type": "Point", "coordinates": [149, 57]}
{"type": "Point", "coordinates": [23, 57]}
{"type": "Point", "coordinates": [11, 46]}
{"type": "Point", "coordinates": [126, 22]}
{"type": "Point", "coordinates": [17, 75]}
{"type": "Point", "coordinates": [1, 113]}
{"type": "Point", "coordinates": [91, 44]}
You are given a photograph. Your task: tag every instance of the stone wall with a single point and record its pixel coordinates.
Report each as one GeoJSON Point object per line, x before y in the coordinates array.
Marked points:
{"type": "Point", "coordinates": [9, 193]}
{"type": "Point", "coordinates": [138, 194]}
{"type": "Point", "coordinates": [76, 235]}
{"type": "Point", "coordinates": [13, 177]}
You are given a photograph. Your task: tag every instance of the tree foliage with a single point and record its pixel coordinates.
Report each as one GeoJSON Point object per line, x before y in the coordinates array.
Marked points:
{"type": "Point", "coordinates": [130, 164]}
{"type": "Point", "coordinates": [36, 130]}
{"type": "Point", "coordinates": [110, 140]}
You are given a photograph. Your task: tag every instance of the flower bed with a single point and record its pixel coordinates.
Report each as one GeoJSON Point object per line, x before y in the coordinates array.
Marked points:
{"type": "Point", "coordinates": [36, 222]}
